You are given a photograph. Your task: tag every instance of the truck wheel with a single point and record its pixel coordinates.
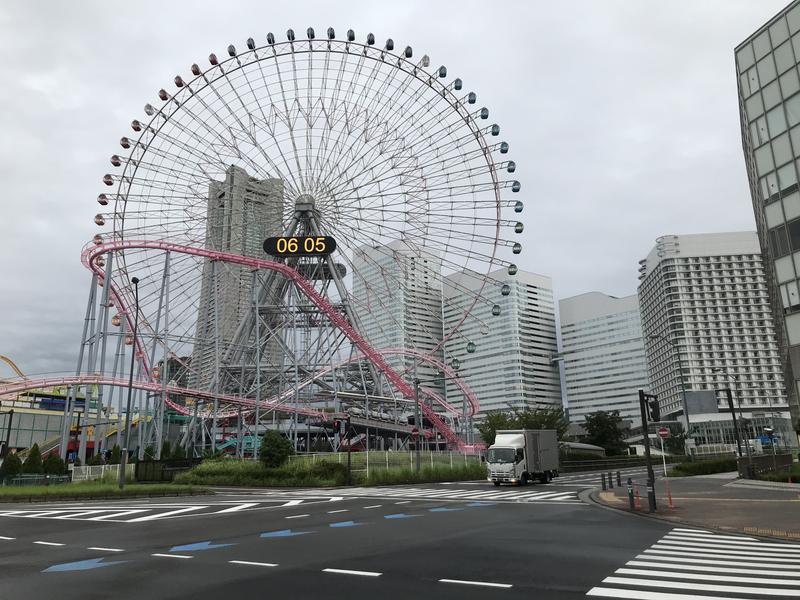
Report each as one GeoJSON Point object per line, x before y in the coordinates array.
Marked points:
{"type": "Point", "coordinates": [545, 477]}
{"type": "Point", "coordinates": [524, 479]}
{"type": "Point", "coordinates": [496, 483]}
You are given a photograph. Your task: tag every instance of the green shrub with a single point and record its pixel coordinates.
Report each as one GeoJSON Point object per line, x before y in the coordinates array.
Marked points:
{"type": "Point", "coordinates": [275, 449]}
{"type": "Point", "coordinates": [33, 464]}
{"type": "Point", "coordinates": [784, 476]}
{"type": "Point", "coordinates": [704, 467]}
{"type": "Point", "coordinates": [54, 465]}
{"type": "Point", "coordinates": [116, 455]}
{"type": "Point", "coordinates": [427, 474]}
{"type": "Point", "coordinates": [177, 452]}
{"type": "Point", "coordinates": [11, 467]}
{"type": "Point", "coordinates": [166, 449]}
{"type": "Point", "coordinates": [96, 460]}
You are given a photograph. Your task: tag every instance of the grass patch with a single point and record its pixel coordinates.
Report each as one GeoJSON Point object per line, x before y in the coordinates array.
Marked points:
{"type": "Point", "coordinates": [319, 474]}
{"type": "Point", "coordinates": [783, 476]}
{"type": "Point", "coordinates": [92, 489]}
{"type": "Point", "coordinates": [704, 467]}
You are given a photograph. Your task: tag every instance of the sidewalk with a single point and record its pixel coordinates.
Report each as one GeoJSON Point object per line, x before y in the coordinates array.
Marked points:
{"type": "Point", "coordinates": [718, 501]}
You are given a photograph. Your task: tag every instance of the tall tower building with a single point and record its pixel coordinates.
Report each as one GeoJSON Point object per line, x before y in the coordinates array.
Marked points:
{"type": "Point", "coordinates": [707, 325]}
{"type": "Point", "coordinates": [512, 365]}
{"type": "Point", "coordinates": [398, 295]}
{"type": "Point", "coordinates": [242, 213]}
{"type": "Point", "coordinates": [603, 354]}
{"type": "Point", "coordinates": [769, 107]}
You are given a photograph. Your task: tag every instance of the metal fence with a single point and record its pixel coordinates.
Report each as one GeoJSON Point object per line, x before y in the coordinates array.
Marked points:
{"type": "Point", "coordinates": [384, 460]}
{"type": "Point", "coordinates": [35, 479]}
{"type": "Point", "coordinates": [163, 470]}
{"type": "Point", "coordinates": [95, 472]}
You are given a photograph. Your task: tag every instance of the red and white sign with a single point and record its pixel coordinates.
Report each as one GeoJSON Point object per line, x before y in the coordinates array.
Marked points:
{"type": "Point", "coordinates": [414, 431]}
{"type": "Point", "coordinates": [663, 433]}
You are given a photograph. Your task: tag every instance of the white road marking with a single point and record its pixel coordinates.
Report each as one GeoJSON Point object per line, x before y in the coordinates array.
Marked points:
{"type": "Point", "coordinates": [367, 507]}
{"type": "Point", "coordinates": [728, 556]}
{"type": "Point", "coordinates": [49, 544]}
{"type": "Point", "coordinates": [704, 587]}
{"type": "Point", "coordinates": [349, 572]}
{"type": "Point", "coordinates": [707, 577]}
{"type": "Point", "coordinates": [251, 563]}
{"type": "Point", "coordinates": [644, 595]}
{"type": "Point", "coordinates": [101, 549]}
{"type": "Point", "coordinates": [744, 553]}
{"type": "Point", "coordinates": [2, 537]}
{"type": "Point", "coordinates": [404, 502]}
{"type": "Point", "coordinates": [330, 512]}
{"type": "Point", "coordinates": [171, 555]}
{"type": "Point", "coordinates": [710, 569]}
{"type": "Point", "coordinates": [293, 502]}
{"type": "Point", "coordinates": [481, 583]}
{"type": "Point", "coordinates": [729, 541]}
{"type": "Point", "coordinates": [296, 516]}
{"type": "Point", "coordinates": [705, 561]}
{"type": "Point", "coordinates": [114, 515]}
{"type": "Point", "coordinates": [82, 513]}
{"type": "Point", "coordinates": [238, 507]}
{"type": "Point", "coordinates": [166, 514]}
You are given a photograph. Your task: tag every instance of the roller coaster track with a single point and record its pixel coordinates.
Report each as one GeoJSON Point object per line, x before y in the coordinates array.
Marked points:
{"type": "Point", "coordinates": [13, 366]}
{"type": "Point", "coordinates": [92, 252]}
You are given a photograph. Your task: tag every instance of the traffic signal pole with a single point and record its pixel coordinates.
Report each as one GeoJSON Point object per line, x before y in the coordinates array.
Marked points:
{"type": "Point", "coordinates": [651, 477]}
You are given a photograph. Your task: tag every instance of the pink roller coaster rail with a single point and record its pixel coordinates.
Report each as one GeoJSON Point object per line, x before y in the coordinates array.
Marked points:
{"type": "Point", "coordinates": [92, 252]}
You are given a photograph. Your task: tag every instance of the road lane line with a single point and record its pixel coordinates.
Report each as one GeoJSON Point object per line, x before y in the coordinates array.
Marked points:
{"type": "Point", "coordinates": [365, 507]}
{"type": "Point", "coordinates": [113, 515]}
{"type": "Point", "coordinates": [350, 572]}
{"type": "Point", "coordinates": [404, 502]}
{"type": "Point", "coordinates": [701, 587]}
{"type": "Point", "coordinates": [165, 515]}
{"type": "Point", "coordinates": [82, 513]}
{"type": "Point", "coordinates": [644, 595]}
{"type": "Point", "coordinates": [251, 563]}
{"type": "Point", "coordinates": [49, 543]}
{"type": "Point", "coordinates": [2, 537]}
{"type": "Point", "coordinates": [171, 555]}
{"type": "Point", "coordinates": [296, 516]}
{"type": "Point", "coordinates": [693, 560]}
{"type": "Point", "coordinates": [683, 538]}
{"type": "Point", "coordinates": [480, 583]}
{"type": "Point", "coordinates": [292, 503]}
{"type": "Point", "coordinates": [101, 549]}
{"type": "Point", "coordinates": [744, 552]}
{"type": "Point", "coordinates": [330, 512]}
{"type": "Point", "coordinates": [725, 545]}
{"type": "Point", "coordinates": [752, 558]}
{"type": "Point", "coordinates": [709, 569]}
{"type": "Point", "coordinates": [238, 507]}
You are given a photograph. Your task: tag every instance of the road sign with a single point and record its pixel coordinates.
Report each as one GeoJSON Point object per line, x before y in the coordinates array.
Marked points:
{"type": "Point", "coordinates": [414, 431]}
{"type": "Point", "coordinates": [663, 433]}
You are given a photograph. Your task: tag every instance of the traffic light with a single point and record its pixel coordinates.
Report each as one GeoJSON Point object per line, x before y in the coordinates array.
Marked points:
{"type": "Point", "coordinates": [655, 410]}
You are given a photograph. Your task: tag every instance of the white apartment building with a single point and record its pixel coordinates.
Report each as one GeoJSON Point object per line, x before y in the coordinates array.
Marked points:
{"type": "Point", "coordinates": [397, 290]}
{"type": "Point", "coordinates": [707, 324]}
{"type": "Point", "coordinates": [603, 355]}
{"type": "Point", "coordinates": [512, 363]}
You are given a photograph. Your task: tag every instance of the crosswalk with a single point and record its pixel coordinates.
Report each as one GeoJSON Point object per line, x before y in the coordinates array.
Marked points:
{"type": "Point", "coordinates": [441, 493]}
{"type": "Point", "coordinates": [697, 564]}
{"type": "Point", "coordinates": [140, 513]}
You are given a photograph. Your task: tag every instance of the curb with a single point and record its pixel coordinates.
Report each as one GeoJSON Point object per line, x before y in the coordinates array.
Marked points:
{"type": "Point", "coordinates": [589, 497]}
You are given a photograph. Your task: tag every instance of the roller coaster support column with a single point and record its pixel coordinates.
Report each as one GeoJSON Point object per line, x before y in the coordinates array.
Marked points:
{"type": "Point", "coordinates": [416, 424]}
{"type": "Point", "coordinates": [215, 280]}
{"type": "Point", "coordinates": [164, 371]}
{"type": "Point", "coordinates": [256, 438]}
{"type": "Point", "coordinates": [90, 360]}
{"type": "Point", "coordinates": [124, 455]}
{"type": "Point", "coordinates": [67, 419]}
{"type": "Point", "coordinates": [103, 332]}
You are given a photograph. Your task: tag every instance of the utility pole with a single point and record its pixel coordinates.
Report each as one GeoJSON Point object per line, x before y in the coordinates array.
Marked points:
{"type": "Point", "coordinates": [729, 395]}
{"type": "Point", "coordinates": [416, 424]}
{"type": "Point", "coordinates": [651, 477]}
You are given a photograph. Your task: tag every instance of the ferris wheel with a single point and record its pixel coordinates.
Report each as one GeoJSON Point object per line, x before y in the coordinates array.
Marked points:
{"type": "Point", "coordinates": [384, 194]}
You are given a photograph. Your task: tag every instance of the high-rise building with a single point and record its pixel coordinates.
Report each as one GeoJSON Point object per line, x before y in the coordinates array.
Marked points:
{"type": "Point", "coordinates": [603, 354]}
{"type": "Point", "coordinates": [512, 365]}
{"type": "Point", "coordinates": [769, 107]}
{"type": "Point", "coordinates": [242, 213]}
{"type": "Point", "coordinates": [398, 291]}
{"type": "Point", "coordinates": [707, 325]}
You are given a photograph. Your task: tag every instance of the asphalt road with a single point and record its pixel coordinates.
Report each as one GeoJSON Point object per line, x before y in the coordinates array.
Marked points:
{"type": "Point", "coordinates": [400, 542]}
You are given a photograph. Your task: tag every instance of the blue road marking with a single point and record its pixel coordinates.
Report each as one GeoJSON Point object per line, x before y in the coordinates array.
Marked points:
{"type": "Point", "coordinates": [481, 504]}
{"type": "Point", "coordinates": [345, 524]}
{"type": "Point", "coordinates": [198, 546]}
{"type": "Point", "coordinates": [83, 565]}
{"type": "Point", "coordinates": [400, 516]}
{"type": "Point", "coordinates": [283, 533]}
{"type": "Point", "coordinates": [444, 509]}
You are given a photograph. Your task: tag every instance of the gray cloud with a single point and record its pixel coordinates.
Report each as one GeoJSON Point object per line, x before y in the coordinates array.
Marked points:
{"type": "Point", "coordinates": [622, 117]}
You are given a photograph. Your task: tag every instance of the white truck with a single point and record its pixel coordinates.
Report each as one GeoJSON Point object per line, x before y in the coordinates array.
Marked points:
{"type": "Point", "coordinates": [522, 455]}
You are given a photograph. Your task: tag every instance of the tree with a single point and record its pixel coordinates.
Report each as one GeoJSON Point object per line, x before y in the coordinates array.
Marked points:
{"type": "Point", "coordinates": [495, 420]}
{"type": "Point", "coordinates": [116, 455]}
{"type": "Point", "coordinates": [543, 418]}
{"type": "Point", "coordinates": [275, 449]}
{"type": "Point", "coordinates": [96, 460]}
{"type": "Point", "coordinates": [11, 467]}
{"type": "Point", "coordinates": [166, 449]}
{"type": "Point", "coordinates": [603, 429]}
{"type": "Point", "coordinates": [33, 464]}
{"type": "Point", "coordinates": [676, 442]}
{"type": "Point", "coordinates": [54, 465]}
{"type": "Point", "coordinates": [177, 452]}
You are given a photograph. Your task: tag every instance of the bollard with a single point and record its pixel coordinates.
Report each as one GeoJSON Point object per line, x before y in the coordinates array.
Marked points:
{"type": "Point", "coordinates": [619, 480]}
{"type": "Point", "coordinates": [610, 481]}
{"type": "Point", "coordinates": [603, 481]}
{"type": "Point", "coordinates": [638, 499]}
{"type": "Point", "coordinates": [630, 493]}
{"type": "Point", "coordinates": [669, 495]}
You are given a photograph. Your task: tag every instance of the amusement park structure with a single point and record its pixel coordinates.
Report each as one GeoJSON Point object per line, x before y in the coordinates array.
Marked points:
{"type": "Point", "coordinates": [327, 147]}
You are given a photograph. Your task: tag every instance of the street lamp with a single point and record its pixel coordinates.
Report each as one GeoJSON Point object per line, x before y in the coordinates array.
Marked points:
{"type": "Point", "coordinates": [674, 346]}
{"type": "Point", "coordinates": [126, 440]}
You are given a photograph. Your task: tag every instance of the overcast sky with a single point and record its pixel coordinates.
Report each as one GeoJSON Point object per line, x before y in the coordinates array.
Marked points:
{"type": "Point", "coordinates": [622, 118]}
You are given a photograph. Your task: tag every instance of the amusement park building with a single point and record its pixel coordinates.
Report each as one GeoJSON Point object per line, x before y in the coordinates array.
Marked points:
{"type": "Point", "coordinates": [242, 213]}
{"type": "Point", "coordinates": [603, 354]}
{"type": "Point", "coordinates": [707, 325]}
{"type": "Point", "coordinates": [769, 107]}
{"type": "Point", "coordinates": [398, 291]}
{"type": "Point", "coordinates": [511, 366]}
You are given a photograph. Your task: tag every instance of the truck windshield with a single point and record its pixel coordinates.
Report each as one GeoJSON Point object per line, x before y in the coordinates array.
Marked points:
{"type": "Point", "coordinates": [500, 455]}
